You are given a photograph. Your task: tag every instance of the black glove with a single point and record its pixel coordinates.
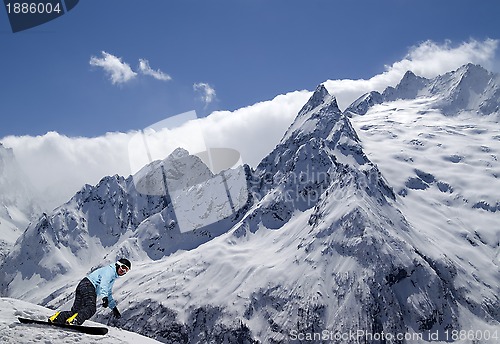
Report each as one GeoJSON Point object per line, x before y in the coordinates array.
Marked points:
{"type": "Point", "coordinates": [116, 313]}
{"type": "Point", "coordinates": [105, 302]}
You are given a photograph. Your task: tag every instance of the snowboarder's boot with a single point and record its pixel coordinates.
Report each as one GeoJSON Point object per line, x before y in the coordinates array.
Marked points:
{"type": "Point", "coordinates": [72, 320]}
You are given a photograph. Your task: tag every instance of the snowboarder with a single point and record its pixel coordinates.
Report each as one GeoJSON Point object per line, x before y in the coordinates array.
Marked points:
{"type": "Point", "coordinates": [98, 283]}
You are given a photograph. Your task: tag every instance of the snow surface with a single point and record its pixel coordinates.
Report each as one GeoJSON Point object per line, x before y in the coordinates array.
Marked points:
{"type": "Point", "coordinates": [445, 171]}
{"type": "Point", "coordinates": [13, 332]}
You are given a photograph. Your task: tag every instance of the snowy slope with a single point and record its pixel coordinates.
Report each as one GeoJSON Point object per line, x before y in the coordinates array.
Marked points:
{"type": "Point", "coordinates": [445, 170]}
{"type": "Point", "coordinates": [13, 332]}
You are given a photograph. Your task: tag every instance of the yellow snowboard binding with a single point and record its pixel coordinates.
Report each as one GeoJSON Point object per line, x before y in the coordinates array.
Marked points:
{"type": "Point", "coordinates": [54, 317]}
{"type": "Point", "coordinates": [72, 320]}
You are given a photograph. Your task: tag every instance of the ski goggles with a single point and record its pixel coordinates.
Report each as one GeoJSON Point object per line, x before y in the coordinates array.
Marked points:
{"type": "Point", "coordinates": [124, 268]}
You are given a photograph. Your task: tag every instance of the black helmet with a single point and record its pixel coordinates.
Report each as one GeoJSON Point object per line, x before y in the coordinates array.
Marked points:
{"type": "Point", "coordinates": [126, 262]}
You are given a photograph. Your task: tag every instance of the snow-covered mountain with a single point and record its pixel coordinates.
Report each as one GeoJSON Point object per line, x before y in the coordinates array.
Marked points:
{"type": "Point", "coordinates": [18, 202]}
{"type": "Point", "coordinates": [469, 88]}
{"type": "Point", "coordinates": [320, 242]}
{"type": "Point", "coordinates": [113, 218]}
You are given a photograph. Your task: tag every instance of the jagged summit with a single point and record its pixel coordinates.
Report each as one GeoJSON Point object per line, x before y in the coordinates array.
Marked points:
{"type": "Point", "coordinates": [474, 71]}
{"type": "Point", "coordinates": [318, 115]}
{"type": "Point", "coordinates": [361, 105]}
{"type": "Point", "coordinates": [178, 170]}
{"type": "Point", "coordinates": [320, 147]}
{"type": "Point", "coordinates": [319, 124]}
{"type": "Point", "coordinates": [319, 97]}
{"type": "Point", "coordinates": [469, 88]}
{"type": "Point", "coordinates": [408, 87]}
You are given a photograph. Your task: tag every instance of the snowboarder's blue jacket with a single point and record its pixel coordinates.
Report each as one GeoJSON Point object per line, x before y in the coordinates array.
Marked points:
{"type": "Point", "coordinates": [103, 280]}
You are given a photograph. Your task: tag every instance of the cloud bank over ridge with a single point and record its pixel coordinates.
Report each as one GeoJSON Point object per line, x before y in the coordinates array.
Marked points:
{"type": "Point", "coordinates": [428, 59]}
{"type": "Point", "coordinates": [59, 165]}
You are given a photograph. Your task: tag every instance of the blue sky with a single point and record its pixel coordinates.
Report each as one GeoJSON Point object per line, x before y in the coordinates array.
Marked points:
{"type": "Point", "coordinates": [246, 51]}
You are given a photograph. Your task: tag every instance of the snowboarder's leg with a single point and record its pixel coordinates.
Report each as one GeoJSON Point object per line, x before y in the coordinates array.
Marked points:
{"type": "Point", "coordinates": [85, 302]}
{"type": "Point", "coordinates": [84, 305]}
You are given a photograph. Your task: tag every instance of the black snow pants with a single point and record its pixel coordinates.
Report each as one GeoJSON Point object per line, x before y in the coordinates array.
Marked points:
{"type": "Point", "coordinates": [84, 305]}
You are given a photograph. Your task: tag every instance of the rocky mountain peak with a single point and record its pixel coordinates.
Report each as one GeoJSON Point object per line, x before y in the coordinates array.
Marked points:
{"type": "Point", "coordinates": [474, 69]}
{"type": "Point", "coordinates": [469, 88]}
{"type": "Point", "coordinates": [178, 170]}
{"type": "Point", "coordinates": [408, 87]}
{"type": "Point", "coordinates": [474, 77]}
{"type": "Point", "coordinates": [361, 105]}
{"type": "Point", "coordinates": [319, 114]}
{"type": "Point", "coordinates": [319, 97]}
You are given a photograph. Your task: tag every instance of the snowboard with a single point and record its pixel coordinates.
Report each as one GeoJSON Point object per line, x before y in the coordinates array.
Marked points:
{"type": "Point", "coordinates": [79, 328]}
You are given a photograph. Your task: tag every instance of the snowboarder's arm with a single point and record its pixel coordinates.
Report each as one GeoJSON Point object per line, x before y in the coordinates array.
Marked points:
{"type": "Point", "coordinates": [107, 282]}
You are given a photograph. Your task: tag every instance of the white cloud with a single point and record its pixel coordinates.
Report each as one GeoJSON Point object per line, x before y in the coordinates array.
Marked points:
{"type": "Point", "coordinates": [255, 130]}
{"type": "Point", "coordinates": [60, 165]}
{"type": "Point", "coordinates": [145, 69]}
{"type": "Point", "coordinates": [427, 59]}
{"type": "Point", "coordinates": [119, 72]}
{"type": "Point", "coordinates": [430, 59]}
{"type": "Point", "coordinates": [207, 92]}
